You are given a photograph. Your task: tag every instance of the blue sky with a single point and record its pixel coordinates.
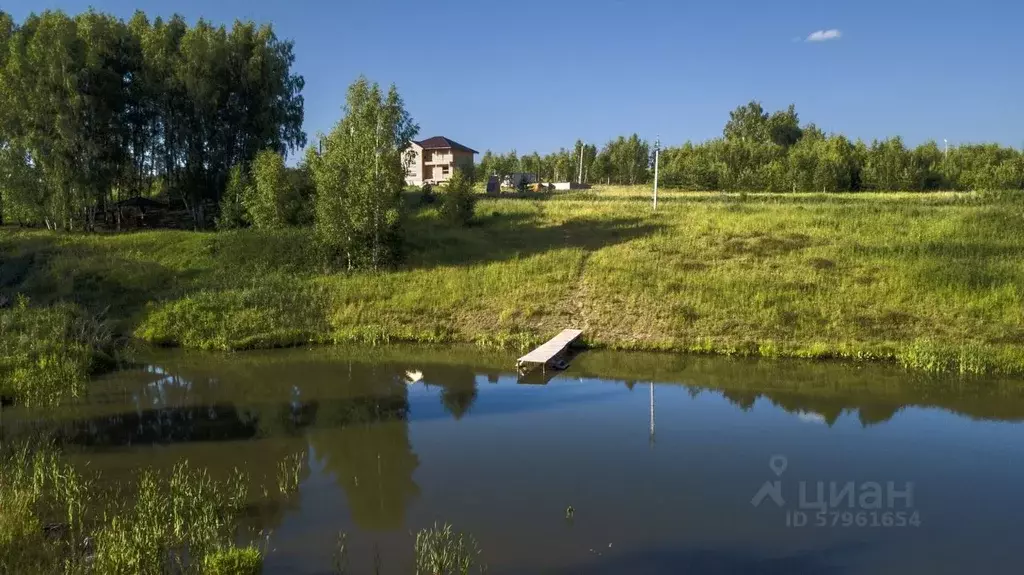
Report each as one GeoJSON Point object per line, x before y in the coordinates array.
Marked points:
{"type": "Point", "coordinates": [537, 74]}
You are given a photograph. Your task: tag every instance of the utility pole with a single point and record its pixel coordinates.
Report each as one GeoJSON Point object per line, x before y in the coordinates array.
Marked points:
{"type": "Point", "coordinates": [946, 142]}
{"type": "Point", "coordinates": [657, 149]}
{"type": "Point", "coordinates": [651, 436]}
{"type": "Point", "coordinates": [583, 146]}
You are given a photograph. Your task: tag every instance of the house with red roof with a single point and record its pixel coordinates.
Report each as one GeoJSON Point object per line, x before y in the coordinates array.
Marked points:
{"type": "Point", "coordinates": [434, 160]}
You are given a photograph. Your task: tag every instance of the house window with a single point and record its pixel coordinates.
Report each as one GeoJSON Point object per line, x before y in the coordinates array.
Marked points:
{"type": "Point", "coordinates": [444, 171]}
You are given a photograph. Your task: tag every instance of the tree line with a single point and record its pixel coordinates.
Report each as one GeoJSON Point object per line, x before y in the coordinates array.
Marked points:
{"type": "Point", "coordinates": [761, 151]}
{"type": "Point", "coordinates": [95, 110]}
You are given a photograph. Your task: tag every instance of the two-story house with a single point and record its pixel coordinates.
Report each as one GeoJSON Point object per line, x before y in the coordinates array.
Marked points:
{"type": "Point", "coordinates": [435, 159]}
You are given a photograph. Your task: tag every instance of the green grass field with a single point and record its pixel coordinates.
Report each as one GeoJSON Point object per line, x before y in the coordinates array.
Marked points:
{"type": "Point", "coordinates": [931, 281]}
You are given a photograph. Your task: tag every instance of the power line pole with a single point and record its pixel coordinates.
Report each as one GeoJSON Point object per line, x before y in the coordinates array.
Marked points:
{"type": "Point", "coordinates": [651, 435]}
{"type": "Point", "coordinates": [657, 150]}
{"type": "Point", "coordinates": [583, 146]}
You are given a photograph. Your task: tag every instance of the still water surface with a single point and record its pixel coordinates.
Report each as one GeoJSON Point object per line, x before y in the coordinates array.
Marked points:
{"type": "Point", "coordinates": [659, 457]}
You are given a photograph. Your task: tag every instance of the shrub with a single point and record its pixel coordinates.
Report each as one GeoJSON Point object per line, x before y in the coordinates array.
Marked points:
{"type": "Point", "coordinates": [458, 200]}
{"type": "Point", "coordinates": [234, 561]}
{"type": "Point", "coordinates": [427, 194]}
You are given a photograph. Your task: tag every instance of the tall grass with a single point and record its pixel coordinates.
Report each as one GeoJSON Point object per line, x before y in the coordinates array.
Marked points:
{"type": "Point", "coordinates": [440, 550]}
{"type": "Point", "coordinates": [46, 353]}
{"type": "Point", "coordinates": [53, 519]}
{"type": "Point", "coordinates": [288, 473]}
{"type": "Point", "coordinates": [927, 281]}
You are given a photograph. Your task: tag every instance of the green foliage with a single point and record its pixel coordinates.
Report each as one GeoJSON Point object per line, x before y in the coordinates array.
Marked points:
{"type": "Point", "coordinates": [232, 210]}
{"type": "Point", "coordinates": [560, 166]}
{"type": "Point", "coordinates": [269, 200]}
{"type": "Point", "coordinates": [182, 518]}
{"type": "Point", "coordinates": [94, 109]}
{"type": "Point", "coordinates": [359, 180]}
{"type": "Point", "coordinates": [860, 276]}
{"type": "Point", "coordinates": [46, 353]}
{"type": "Point", "coordinates": [772, 152]}
{"type": "Point", "coordinates": [442, 551]}
{"type": "Point", "coordinates": [427, 195]}
{"type": "Point", "coordinates": [234, 561]}
{"type": "Point", "coordinates": [184, 522]}
{"type": "Point", "coordinates": [458, 200]}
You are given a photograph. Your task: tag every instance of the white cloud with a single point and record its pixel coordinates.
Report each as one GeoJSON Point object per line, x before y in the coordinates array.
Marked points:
{"type": "Point", "coordinates": [823, 35]}
{"type": "Point", "coordinates": [810, 417]}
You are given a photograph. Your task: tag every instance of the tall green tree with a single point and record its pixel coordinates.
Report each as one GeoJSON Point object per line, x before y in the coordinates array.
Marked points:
{"type": "Point", "coordinates": [105, 108]}
{"type": "Point", "coordinates": [583, 156]}
{"type": "Point", "coordinates": [747, 122]}
{"type": "Point", "coordinates": [268, 199]}
{"type": "Point", "coordinates": [360, 176]}
{"type": "Point", "coordinates": [232, 210]}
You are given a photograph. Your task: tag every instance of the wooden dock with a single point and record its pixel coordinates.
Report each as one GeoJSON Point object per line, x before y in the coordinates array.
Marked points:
{"type": "Point", "coordinates": [549, 350]}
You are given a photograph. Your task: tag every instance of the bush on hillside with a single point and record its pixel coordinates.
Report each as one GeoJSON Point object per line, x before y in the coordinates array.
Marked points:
{"type": "Point", "coordinates": [427, 195]}
{"type": "Point", "coordinates": [458, 200]}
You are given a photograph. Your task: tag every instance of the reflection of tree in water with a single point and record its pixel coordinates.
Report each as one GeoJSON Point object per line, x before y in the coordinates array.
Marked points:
{"type": "Point", "coordinates": [830, 408]}
{"type": "Point", "coordinates": [173, 410]}
{"type": "Point", "coordinates": [458, 387]}
{"type": "Point", "coordinates": [877, 413]}
{"type": "Point", "coordinates": [742, 398]}
{"type": "Point", "coordinates": [362, 438]}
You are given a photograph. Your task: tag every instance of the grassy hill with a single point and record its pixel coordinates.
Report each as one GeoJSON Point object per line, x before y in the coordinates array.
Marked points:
{"type": "Point", "coordinates": [932, 281]}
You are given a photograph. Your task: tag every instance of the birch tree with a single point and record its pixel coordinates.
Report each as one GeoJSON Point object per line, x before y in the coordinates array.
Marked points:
{"type": "Point", "coordinates": [359, 179]}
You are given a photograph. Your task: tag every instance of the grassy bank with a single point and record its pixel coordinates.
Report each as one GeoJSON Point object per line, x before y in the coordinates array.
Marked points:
{"type": "Point", "coordinates": [930, 281]}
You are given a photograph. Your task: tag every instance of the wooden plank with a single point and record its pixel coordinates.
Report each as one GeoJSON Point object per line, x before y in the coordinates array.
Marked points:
{"type": "Point", "coordinates": [550, 349]}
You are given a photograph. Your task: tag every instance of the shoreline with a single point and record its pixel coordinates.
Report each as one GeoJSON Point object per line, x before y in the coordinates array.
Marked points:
{"type": "Point", "coordinates": [927, 282]}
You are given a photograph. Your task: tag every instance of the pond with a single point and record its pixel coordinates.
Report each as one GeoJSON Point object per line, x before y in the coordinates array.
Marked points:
{"type": "Point", "coordinates": [624, 463]}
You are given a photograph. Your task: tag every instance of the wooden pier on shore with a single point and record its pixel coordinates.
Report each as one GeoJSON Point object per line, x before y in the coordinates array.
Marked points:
{"type": "Point", "coordinates": [550, 350]}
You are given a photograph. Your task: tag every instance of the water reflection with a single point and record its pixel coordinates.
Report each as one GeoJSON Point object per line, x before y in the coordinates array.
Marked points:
{"type": "Point", "coordinates": [458, 389]}
{"type": "Point", "coordinates": [464, 440]}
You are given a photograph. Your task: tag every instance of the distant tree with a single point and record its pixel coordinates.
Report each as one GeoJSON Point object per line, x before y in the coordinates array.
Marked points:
{"type": "Point", "coordinates": [888, 165]}
{"type": "Point", "coordinates": [268, 199]}
{"type": "Point", "coordinates": [504, 165]}
{"type": "Point", "coordinates": [748, 122]}
{"type": "Point", "coordinates": [458, 199]}
{"type": "Point", "coordinates": [232, 211]}
{"type": "Point", "coordinates": [926, 167]}
{"type": "Point", "coordinates": [302, 195]}
{"type": "Point", "coordinates": [586, 152]}
{"type": "Point", "coordinates": [784, 127]}
{"type": "Point", "coordinates": [601, 167]}
{"type": "Point", "coordinates": [531, 164]}
{"type": "Point", "coordinates": [485, 167]}
{"type": "Point", "coordinates": [360, 177]}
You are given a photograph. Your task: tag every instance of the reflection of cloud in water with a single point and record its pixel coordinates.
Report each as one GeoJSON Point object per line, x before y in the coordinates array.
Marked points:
{"type": "Point", "coordinates": [810, 417]}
